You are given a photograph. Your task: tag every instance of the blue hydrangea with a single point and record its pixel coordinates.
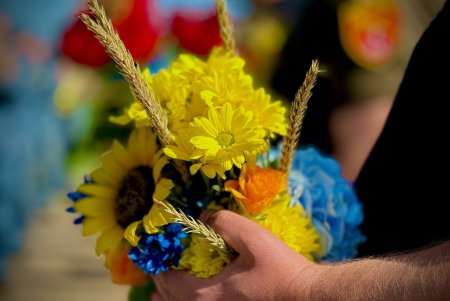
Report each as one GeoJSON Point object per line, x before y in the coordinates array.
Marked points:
{"type": "Point", "coordinates": [316, 182]}
{"type": "Point", "coordinates": [330, 201]}
{"type": "Point", "coordinates": [158, 252]}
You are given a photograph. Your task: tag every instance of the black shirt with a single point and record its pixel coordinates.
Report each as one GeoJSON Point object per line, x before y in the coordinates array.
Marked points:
{"type": "Point", "coordinates": [405, 183]}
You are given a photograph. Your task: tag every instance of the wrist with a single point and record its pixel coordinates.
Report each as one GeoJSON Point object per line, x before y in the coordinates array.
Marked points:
{"type": "Point", "coordinates": [323, 283]}
{"type": "Point", "coordinates": [311, 283]}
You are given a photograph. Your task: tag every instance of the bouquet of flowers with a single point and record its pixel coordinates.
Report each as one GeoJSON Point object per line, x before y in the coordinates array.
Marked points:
{"type": "Point", "coordinates": [201, 139]}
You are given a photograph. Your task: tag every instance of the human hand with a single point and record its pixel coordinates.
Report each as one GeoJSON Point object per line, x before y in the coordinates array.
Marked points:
{"type": "Point", "coordinates": [266, 268]}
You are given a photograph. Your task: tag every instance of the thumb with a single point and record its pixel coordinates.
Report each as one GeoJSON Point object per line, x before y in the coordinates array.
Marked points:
{"type": "Point", "coordinates": [239, 232]}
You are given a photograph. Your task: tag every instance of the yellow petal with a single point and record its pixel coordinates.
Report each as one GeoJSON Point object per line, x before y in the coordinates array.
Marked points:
{"type": "Point", "coordinates": [173, 151]}
{"type": "Point", "coordinates": [130, 233]}
{"type": "Point", "coordinates": [214, 119]}
{"type": "Point", "coordinates": [110, 165]}
{"type": "Point", "coordinates": [156, 218]}
{"type": "Point", "coordinates": [92, 225]}
{"type": "Point", "coordinates": [227, 164]}
{"type": "Point", "coordinates": [121, 155]}
{"type": "Point", "coordinates": [208, 125]}
{"type": "Point", "coordinates": [120, 120]}
{"type": "Point", "coordinates": [194, 168]}
{"type": "Point", "coordinates": [99, 191]}
{"type": "Point", "coordinates": [203, 142]}
{"type": "Point", "coordinates": [94, 207]}
{"type": "Point", "coordinates": [159, 164]}
{"type": "Point", "coordinates": [227, 117]}
{"type": "Point", "coordinates": [197, 154]}
{"type": "Point", "coordinates": [208, 171]}
{"type": "Point", "coordinates": [146, 74]}
{"type": "Point", "coordinates": [101, 176]}
{"type": "Point", "coordinates": [162, 189]}
{"type": "Point", "coordinates": [108, 239]}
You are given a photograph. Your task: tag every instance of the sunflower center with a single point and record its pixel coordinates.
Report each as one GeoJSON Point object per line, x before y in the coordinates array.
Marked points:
{"type": "Point", "coordinates": [225, 139]}
{"type": "Point", "coordinates": [134, 197]}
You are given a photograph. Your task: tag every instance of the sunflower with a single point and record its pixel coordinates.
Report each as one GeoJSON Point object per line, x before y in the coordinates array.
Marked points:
{"type": "Point", "coordinates": [122, 190]}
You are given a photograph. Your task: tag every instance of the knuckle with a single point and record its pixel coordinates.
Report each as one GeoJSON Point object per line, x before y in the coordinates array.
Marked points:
{"type": "Point", "coordinates": [218, 218]}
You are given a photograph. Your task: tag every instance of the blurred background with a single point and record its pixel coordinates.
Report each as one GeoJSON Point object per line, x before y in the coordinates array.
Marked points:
{"type": "Point", "coordinates": [58, 89]}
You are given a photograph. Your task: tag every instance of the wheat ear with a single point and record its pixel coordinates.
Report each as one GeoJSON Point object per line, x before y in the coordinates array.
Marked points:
{"type": "Point", "coordinates": [226, 28]}
{"type": "Point", "coordinates": [197, 227]}
{"type": "Point", "coordinates": [103, 29]}
{"type": "Point", "coordinates": [296, 116]}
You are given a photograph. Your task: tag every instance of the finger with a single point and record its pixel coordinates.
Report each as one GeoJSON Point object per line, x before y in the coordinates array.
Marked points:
{"type": "Point", "coordinates": [239, 232]}
{"type": "Point", "coordinates": [176, 285]}
{"type": "Point", "coordinates": [156, 296]}
{"type": "Point", "coordinates": [162, 291]}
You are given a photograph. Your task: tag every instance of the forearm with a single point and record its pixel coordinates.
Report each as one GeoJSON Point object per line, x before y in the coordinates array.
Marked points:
{"type": "Point", "coordinates": [422, 275]}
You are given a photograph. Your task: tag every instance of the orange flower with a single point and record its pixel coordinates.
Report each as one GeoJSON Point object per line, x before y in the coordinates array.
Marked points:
{"type": "Point", "coordinates": [123, 270]}
{"type": "Point", "coordinates": [257, 187]}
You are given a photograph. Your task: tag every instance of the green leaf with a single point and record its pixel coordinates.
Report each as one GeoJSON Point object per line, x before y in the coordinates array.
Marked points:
{"type": "Point", "coordinates": [142, 293]}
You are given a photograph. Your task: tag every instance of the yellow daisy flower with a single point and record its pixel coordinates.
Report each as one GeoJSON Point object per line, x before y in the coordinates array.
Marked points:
{"type": "Point", "coordinates": [226, 135]}
{"type": "Point", "coordinates": [122, 190]}
{"type": "Point", "coordinates": [184, 150]}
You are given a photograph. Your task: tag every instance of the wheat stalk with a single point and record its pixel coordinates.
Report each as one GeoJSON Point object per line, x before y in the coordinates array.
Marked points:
{"type": "Point", "coordinates": [226, 28]}
{"type": "Point", "coordinates": [297, 115]}
{"type": "Point", "coordinates": [197, 227]}
{"type": "Point", "coordinates": [103, 29]}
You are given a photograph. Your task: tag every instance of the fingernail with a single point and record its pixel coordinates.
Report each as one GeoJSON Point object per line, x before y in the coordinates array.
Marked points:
{"type": "Point", "coordinates": [206, 215]}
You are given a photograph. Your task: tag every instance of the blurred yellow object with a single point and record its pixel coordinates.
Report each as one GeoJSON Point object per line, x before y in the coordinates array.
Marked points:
{"type": "Point", "coordinates": [77, 85]}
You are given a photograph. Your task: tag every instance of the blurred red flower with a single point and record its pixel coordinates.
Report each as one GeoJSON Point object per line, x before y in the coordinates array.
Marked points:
{"type": "Point", "coordinates": [196, 35]}
{"type": "Point", "coordinates": [138, 31]}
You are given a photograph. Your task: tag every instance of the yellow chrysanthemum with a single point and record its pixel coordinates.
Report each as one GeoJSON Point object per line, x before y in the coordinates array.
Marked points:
{"type": "Point", "coordinates": [220, 88]}
{"type": "Point", "coordinates": [196, 107]}
{"type": "Point", "coordinates": [226, 135]}
{"type": "Point", "coordinates": [122, 190]}
{"type": "Point", "coordinates": [189, 66]}
{"type": "Point", "coordinates": [292, 226]}
{"type": "Point", "coordinates": [135, 112]}
{"type": "Point", "coordinates": [202, 259]}
{"type": "Point", "coordinates": [184, 150]}
{"type": "Point", "coordinates": [172, 90]}
{"type": "Point", "coordinates": [223, 60]}
{"type": "Point", "coordinates": [269, 115]}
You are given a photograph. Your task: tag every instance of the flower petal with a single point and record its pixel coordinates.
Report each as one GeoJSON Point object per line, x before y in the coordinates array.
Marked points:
{"type": "Point", "coordinates": [108, 239]}
{"type": "Point", "coordinates": [92, 225]}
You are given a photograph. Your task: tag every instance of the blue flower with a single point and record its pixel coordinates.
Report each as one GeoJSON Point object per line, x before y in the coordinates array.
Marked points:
{"type": "Point", "coordinates": [330, 201]}
{"type": "Point", "coordinates": [156, 253]}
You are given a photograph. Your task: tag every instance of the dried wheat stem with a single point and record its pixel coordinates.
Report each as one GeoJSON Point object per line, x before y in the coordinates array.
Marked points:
{"type": "Point", "coordinates": [102, 27]}
{"type": "Point", "coordinates": [226, 28]}
{"type": "Point", "coordinates": [297, 115]}
{"type": "Point", "coordinates": [197, 227]}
